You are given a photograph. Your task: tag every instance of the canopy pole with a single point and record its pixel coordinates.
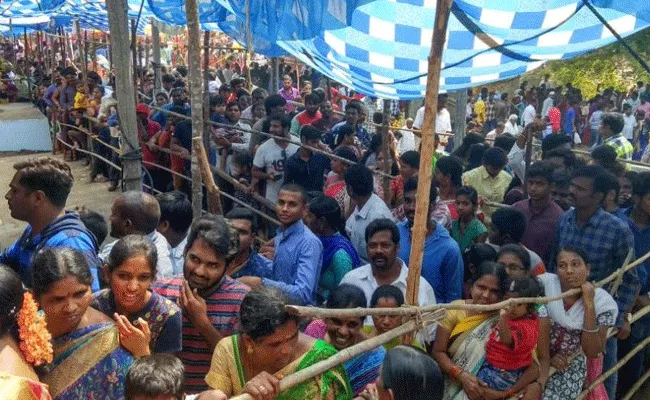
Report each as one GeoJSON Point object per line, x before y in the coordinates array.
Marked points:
{"type": "Point", "coordinates": [275, 79]}
{"type": "Point", "coordinates": [206, 92]}
{"type": "Point", "coordinates": [157, 76]}
{"type": "Point", "coordinates": [134, 58]}
{"type": "Point", "coordinates": [196, 95]}
{"type": "Point", "coordinates": [461, 122]}
{"type": "Point", "coordinates": [83, 58]}
{"type": "Point", "coordinates": [94, 52]}
{"type": "Point", "coordinates": [425, 174]}
{"type": "Point", "coordinates": [388, 162]}
{"type": "Point", "coordinates": [249, 46]}
{"type": "Point", "coordinates": [124, 84]}
{"type": "Point", "coordinates": [53, 47]}
{"type": "Point", "coordinates": [27, 53]}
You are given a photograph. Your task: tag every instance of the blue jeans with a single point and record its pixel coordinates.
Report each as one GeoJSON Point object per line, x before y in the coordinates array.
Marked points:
{"type": "Point", "coordinates": [610, 359]}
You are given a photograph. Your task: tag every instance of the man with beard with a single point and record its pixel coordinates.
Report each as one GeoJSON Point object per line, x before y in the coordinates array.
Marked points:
{"type": "Point", "coordinates": [178, 100]}
{"type": "Point", "coordinates": [37, 195]}
{"type": "Point", "coordinates": [139, 213]}
{"type": "Point", "coordinates": [210, 300]}
{"type": "Point", "coordinates": [328, 119]}
{"type": "Point", "coordinates": [442, 263]}
{"type": "Point", "coordinates": [385, 268]}
{"type": "Point", "coordinates": [298, 252]}
{"type": "Point", "coordinates": [307, 117]}
{"type": "Point", "coordinates": [607, 241]}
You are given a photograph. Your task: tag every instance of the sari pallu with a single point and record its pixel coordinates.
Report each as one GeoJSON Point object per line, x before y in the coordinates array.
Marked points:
{"type": "Point", "coordinates": [17, 387]}
{"type": "Point", "coordinates": [88, 364]}
{"type": "Point", "coordinates": [227, 373]}
{"type": "Point", "coordinates": [467, 350]}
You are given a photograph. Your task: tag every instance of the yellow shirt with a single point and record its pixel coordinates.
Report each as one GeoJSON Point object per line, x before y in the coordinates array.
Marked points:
{"type": "Point", "coordinates": [479, 110]}
{"type": "Point", "coordinates": [492, 189]}
{"type": "Point", "coordinates": [80, 100]}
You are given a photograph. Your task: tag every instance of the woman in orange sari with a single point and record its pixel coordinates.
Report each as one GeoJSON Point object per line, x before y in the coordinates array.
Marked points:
{"type": "Point", "coordinates": [459, 347]}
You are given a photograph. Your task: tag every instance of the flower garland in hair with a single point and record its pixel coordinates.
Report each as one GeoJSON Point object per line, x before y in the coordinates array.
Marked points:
{"type": "Point", "coordinates": [34, 336]}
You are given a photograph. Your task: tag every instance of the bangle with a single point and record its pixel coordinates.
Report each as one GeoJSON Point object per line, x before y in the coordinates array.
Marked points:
{"type": "Point", "coordinates": [596, 329]}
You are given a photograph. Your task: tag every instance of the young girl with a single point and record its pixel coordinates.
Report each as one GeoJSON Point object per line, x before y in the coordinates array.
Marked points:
{"type": "Point", "coordinates": [148, 322]}
{"type": "Point", "coordinates": [467, 229]}
{"type": "Point", "coordinates": [509, 350]}
{"type": "Point", "coordinates": [388, 296]}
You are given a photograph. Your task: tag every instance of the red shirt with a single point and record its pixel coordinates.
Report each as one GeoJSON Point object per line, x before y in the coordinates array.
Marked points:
{"type": "Point", "coordinates": [555, 116]}
{"type": "Point", "coordinates": [525, 332]}
{"type": "Point", "coordinates": [152, 128]}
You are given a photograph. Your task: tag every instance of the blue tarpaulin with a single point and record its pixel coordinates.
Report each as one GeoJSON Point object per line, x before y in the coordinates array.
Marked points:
{"type": "Point", "coordinates": [380, 47]}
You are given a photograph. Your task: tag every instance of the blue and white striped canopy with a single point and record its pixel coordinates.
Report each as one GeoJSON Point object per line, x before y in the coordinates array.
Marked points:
{"type": "Point", "coordinates": [380, 47]}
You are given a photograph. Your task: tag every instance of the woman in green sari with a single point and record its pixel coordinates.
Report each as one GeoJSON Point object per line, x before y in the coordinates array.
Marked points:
{"type": "Point", "coordinates": [269, 348]}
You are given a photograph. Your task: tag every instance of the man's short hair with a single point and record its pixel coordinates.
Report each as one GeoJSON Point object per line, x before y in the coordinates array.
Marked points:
{"type": "Point", "coordinates": [142, 209]}
{"type": "Point", "coordinates": [156, 375]}
{"type": "Point", "coordinates": [596, 174]}
{"type": "Point", "coordinates": [641, 184]}
{"type": "Point", "coordinates": [295, 188]}
{"type": "Point", "coordinates": [49, 175]}
{"type": "Point", "coordinates": [243, 213]}
{"type": "Point", "coordinates": [360, 179]}
{"type": "Point", "coordinates": [410, 158]}
{"type": "Point", "coordinates": [510, 221]}
{"type": "Point", "coordinates": [614, 121]}
{"type": "Point", "coordinates": [176, 208]}
{"type": "Point", "coordinates": [611, 183]}
{"type": "Point", "coordinates": [383, 224]}
{"type": "Point", "coordinates": [541, 169]}
{"type": "Point", "coordinates": [274, 100]}
{"type": "Point", "coordinates": [452, 167]}
{"type": "Point", "coordinates": [308, 132]}
{"type": "Point", "coordinates": [354, 105]}
{"type": "Point", "coordinates": [95, 223]}
{"type": "Point", "coordinates": [312, 98]}
{"type": "Point", "coordinates": [284, 120]}
{"type": "Point", "coordinates": [495, 157]}
{"type": "Point", "coordinates": [411, 185]}
{"type": "Point", "coordinates": [167, 78]}
{"type": "Point", "coordinates": [216, 233]}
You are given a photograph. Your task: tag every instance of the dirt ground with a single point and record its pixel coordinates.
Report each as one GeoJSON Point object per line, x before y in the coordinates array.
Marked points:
{"type": "Point", "coordinates": [93, 196]}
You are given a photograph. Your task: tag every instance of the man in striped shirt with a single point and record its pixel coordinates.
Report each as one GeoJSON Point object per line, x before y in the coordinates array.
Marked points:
{"type": "Point", "coordinates": [210, 300]}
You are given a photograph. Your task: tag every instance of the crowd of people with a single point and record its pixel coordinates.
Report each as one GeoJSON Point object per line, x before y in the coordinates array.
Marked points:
{"type": "Point", "coordinates": [212, 290]}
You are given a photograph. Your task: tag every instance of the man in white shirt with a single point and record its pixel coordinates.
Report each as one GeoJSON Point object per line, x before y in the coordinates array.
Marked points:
{"type": "Point", "coordinates": [406, 141]}
{"type": "Point", "coordinates": [271, 157]}
{"type": "Point", "coordinates": [138, 213]}
{"type": "Point", "coordinates": [175, 220]}
{"type": "Point", "coordinates": [630, 122]}
{"type": "Point", "coordinates": [385, 268]}
{"type": "Point", "coordinates": [369, 206]}
{"type": "Point", "coordinates": [228, 141]}
{"type": "Point", "coordinates": [512, 127]}
{"type": "Point", "coordinates": [443, 119]}
{"type": "Point", "coordinates": [529, 114]}
{"type": "Point", "coordinates": [548, 103]}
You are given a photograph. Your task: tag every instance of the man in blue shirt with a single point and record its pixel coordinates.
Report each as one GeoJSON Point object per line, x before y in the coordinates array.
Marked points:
{"type": "Point", "coordinates": [353, 111]}
{"type": "Point", "coordinates": [37, 195]}
{"type": "Point", "coordinates": [298, 252]}
{"type": "Point", "coordinates": [247, 262]}
{"type": "Point", "coordinates": [178, 100]}
{"type": "Point", "coordinates": [638, 219]}
{"type": "Point", "coordinates": [607, 241]}
{"type": "Point", "coordinates": [442, 263]}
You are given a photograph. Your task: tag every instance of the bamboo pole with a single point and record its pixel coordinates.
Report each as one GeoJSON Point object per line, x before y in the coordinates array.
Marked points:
{"type": "Point", "coordinates": [249, 46]}
{"type": "Point", "coordinates": [84, 73]}
{"type": "Point", "coordinates": [157, 76]}
{"type": "Point", "coordinates": [134, 58]}
{"type": "Point", "coordinates": [460, 125]}
{"type": "Point", "coordinates": [214, 196]}
{"type": "Point", "coordinates": [347, 354]}
{"type": "Point", "coordinates": [206, 89]}
{"type": "Point", "coordinates": [315, 312]}
{"type": "Point", "coordinates": [425, 174]}
{"type": "Point", "coordinates": [124, 85]}
{"type": "Point", "coordinates": [196, 93]}
{"type": "Point", "coordinates": [388, 161]}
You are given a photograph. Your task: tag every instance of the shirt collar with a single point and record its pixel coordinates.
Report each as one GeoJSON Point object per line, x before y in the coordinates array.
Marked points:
{"type": "Point", "coordinates": [297, 227]}
{"type": "Point", "coordinates": [592, 220]}
{"type": "Point", "coordinates": [403, 273]}
{"type": "Point", "coordinates": [363, 212]}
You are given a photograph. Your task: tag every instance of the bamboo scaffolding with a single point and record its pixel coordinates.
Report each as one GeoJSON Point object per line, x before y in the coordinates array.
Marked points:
{"type": "Point", "coordinates": [349, 353]}
{"type": "Point", "coordinates": [315, 312]}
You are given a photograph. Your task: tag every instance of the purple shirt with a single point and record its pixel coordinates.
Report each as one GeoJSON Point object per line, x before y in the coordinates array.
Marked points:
{"type": "Point", "coordinates": [292, 95]}
{"type": "Point", "coordinates": [540, 227]}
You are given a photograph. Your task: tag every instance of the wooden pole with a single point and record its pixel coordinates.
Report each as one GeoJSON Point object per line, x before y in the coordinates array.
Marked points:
{"type": "Point", "coordinates": [134, 58]}
{"type": "Point", "coordinates": [385, 139]}
{"type": "Point", "coordinates": [213, 192]}
{"type": "Point", "coordinates": [527, 156]}
{"type": "Point", "coordinates": [425, 174]}
{"type": "Point", "coordinates": [13, 41]}
{"type": "Point", "coordinates": [124, 85]}
{"type": "Point", "coordinates": [206, 90]}
{"type": "Point", "coordinates": [196, 95]}
{"type": "Point", "coordinates": [249, 46]}
{"type": "Point", "coordinates": [460, 125]}
{"type": "Point", "coordinates": [53, 47]}
{"type": "Point", "coordinates": [275, 79]}
{"type": "Point", "coordinates": [83, 47]}
{"type": "Point", "coordinates": [94, 53]}
{"type": "Point", "coordinates": [157, 76]}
